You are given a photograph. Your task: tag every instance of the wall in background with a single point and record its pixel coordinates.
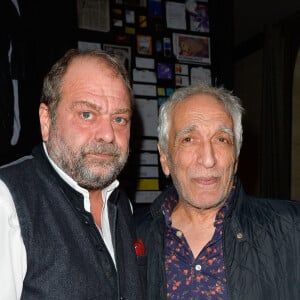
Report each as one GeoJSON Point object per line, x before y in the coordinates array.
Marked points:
{"type": "Point", "coordinates": [248, 86]}
{"type": "Point", "coordinates": [295, 168]}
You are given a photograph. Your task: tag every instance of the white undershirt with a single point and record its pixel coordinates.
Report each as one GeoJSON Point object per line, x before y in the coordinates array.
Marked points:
{"type": "Point", "coordinates": [13, 258]}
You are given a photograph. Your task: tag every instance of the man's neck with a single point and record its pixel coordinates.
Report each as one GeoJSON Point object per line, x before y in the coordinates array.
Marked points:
{"type": "Point", "coordinates": [197, 225]}
{"type": "Point", "coordinates": [96, 206]}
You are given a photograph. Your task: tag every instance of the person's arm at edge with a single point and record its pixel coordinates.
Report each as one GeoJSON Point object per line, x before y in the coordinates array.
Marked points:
{"type": "Point", "coordinates": [13, 260]}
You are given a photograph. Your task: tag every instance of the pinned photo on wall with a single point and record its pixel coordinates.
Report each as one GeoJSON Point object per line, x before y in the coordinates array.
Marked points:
{"type": "Point", "coordinates": [144, 89]}
{"type": "Point", "coordinates": [167, 46]}
{"type": "Point", "coordinates": [191, 48]}
{"type": "Point", "coordinates": [169, 91]}
{"type": "Point", "coordinates": [83, 45]}
{"type": "Point", "coordinates": [181, 69]}
{"type": "Point", "coordinates": [175, 15]}
{"type": "Point", "coordinates": [200, 74]}
{"type": "Point", "coordinates": [144, 63]}
{"type": "Point", "coordinates": [161, 91]}
{"type": "Point", "coordinates": [165, 71]}
{"type": "Point", "coordinates": [181, 80]}
{"type": "Point", "coordinates": [123, 52]}
{"type": "Point", "coordinates": [161, 100]}
{"type": "Point", "coordinates": [117, 22]}
{"type": "Point", "coordinates": [143, 76]}
{"type": "Point", "coordinates": [130, 16]}
{"type": "Point", "coordinates": [158, 46]}
{"type": "Point", "coordinates": [143, 21]}
{"type": "Point", "coordinates": [147, 110]}
{"type": "Point", "coordinates": [93, 15]}
{"type": "Point", "coordinates": [199, 19]}
{"type": "Point", "coordinates": [117, 17]}
{"type": "Point", "coordinates": [154, 8]}
{"type": "Point", "coordinates": [144, 44]}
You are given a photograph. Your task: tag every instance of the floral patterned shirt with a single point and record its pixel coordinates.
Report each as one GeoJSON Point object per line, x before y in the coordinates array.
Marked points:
{"type": "Point", "coordinates": [188, 278]}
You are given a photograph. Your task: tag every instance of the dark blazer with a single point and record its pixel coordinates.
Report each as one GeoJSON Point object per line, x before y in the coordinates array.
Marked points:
{"type": "Point", "coordinates": [261, 248]}
{"type": "Point", "coordinates": [66, 255]}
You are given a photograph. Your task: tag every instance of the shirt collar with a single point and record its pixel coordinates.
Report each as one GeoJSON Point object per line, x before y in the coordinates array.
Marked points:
{"type": "Point", "coordinates": [106, 192]}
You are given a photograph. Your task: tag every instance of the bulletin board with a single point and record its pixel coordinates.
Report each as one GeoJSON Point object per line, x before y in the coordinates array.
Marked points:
{"type": "Point", "coordinates": [164, 45]}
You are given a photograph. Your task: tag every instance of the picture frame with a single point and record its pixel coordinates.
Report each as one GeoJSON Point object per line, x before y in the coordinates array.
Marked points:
{"type": "Point", "coordinates": [165, 71]}
{"type": "Point", "coordinates": [198, 15]}
{"type": "Point", "coordinates": [123, 53]}
{"type": "Point", "coordinates": [93, 15]}
{"type": "Point", "coordinates": [144, 44]}
{"type": "Point", "coordinates": [192, 48]}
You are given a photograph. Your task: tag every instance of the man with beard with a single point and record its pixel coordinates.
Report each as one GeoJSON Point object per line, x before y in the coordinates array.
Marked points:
{"type": "Point", "coordinates": [64, 223]}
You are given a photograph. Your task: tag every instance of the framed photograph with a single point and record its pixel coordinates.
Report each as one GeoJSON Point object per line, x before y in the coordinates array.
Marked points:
{"type": "Point", "coordinates": [181, 69]}
{"type": "Point", "coordinates": [191, 48]}
{"type": "Point", "coordinates": [93, 15]}
{"type": "Point", "coordinates": [165, 71]}
{"type": "Point", "coordinates": [181, 80]}
{"type": "Point", "coordinates": [144, 44]}
{"type": "Point", "coordinates": [155, 8]}
{"type": "Point", "coordinates": [200, 74]}
{"type": "Point", "coordinates": [130, 16]}
{"type": "Point", "coordinates": [199, 19]}
{"type": "Point", "coordinates": [117, 17]}
{"type": "Point", "coordinates": [123, 52]}
{"type": "Point", "coordinates": [143, 21]}
{"type": "Point", "coordinates": [175, 15]}
{"type": "Point", "coordinates": [83, 45]}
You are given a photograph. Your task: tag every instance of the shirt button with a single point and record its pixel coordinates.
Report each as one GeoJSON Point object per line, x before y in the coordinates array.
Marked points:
{"type": "Point", "coordinates": [198, 267]}
{"type": "Point", "coordinates": [239, 235]}
{"type": "Point", "coordinates": [179, 233]}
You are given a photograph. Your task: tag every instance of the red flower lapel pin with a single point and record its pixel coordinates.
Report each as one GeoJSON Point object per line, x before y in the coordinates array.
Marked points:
{"type": "Point", "coordinates": [139, 247]}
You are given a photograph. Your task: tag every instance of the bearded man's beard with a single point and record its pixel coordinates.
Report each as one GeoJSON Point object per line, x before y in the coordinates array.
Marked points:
{"type": "Point", "coordinates": [89, 172]}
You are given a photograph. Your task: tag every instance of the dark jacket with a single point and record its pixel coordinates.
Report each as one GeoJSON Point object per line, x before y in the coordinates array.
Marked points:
{"type": "Point", "coordinates": [66, 255]}
{"type": "Point", "coordinates": [261, 248]}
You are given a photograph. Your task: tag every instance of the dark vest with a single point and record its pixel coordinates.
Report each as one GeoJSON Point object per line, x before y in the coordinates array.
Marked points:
{"type": "Point", "coordinates": [66, 256]}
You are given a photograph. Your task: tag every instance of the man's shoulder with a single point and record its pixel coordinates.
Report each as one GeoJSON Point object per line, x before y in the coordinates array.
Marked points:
{"type": "Point", "coordinates": [17, 163]}
{"type": "Point", "coordinates": [17, 171]}
{"type": "Point", "coordinates": [286, 209]}
{"type": "Point", "coordinates": [274, 204]}
{"type": "Point", "coordinates": [23, 163]}
{"type": "Point", "coordinates": [27, 173]}
{"type": "Point", "coordinates": [271, 211]}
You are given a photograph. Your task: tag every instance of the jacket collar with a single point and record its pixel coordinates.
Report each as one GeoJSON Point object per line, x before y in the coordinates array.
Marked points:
{"type": "Point", "coordinates": [155, 209]}
{"type": "Point", "coordinates": [238, 196]}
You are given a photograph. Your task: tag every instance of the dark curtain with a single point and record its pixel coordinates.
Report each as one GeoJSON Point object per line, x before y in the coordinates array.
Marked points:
{"type": "Point", "coordinates": [279, 56]}
{"type": "Point", "coordinates": [9, 26]}
{"type": "Point", "coordinates": [42, 33]}
{"type": "Point", "coordinates": [221, 41]}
